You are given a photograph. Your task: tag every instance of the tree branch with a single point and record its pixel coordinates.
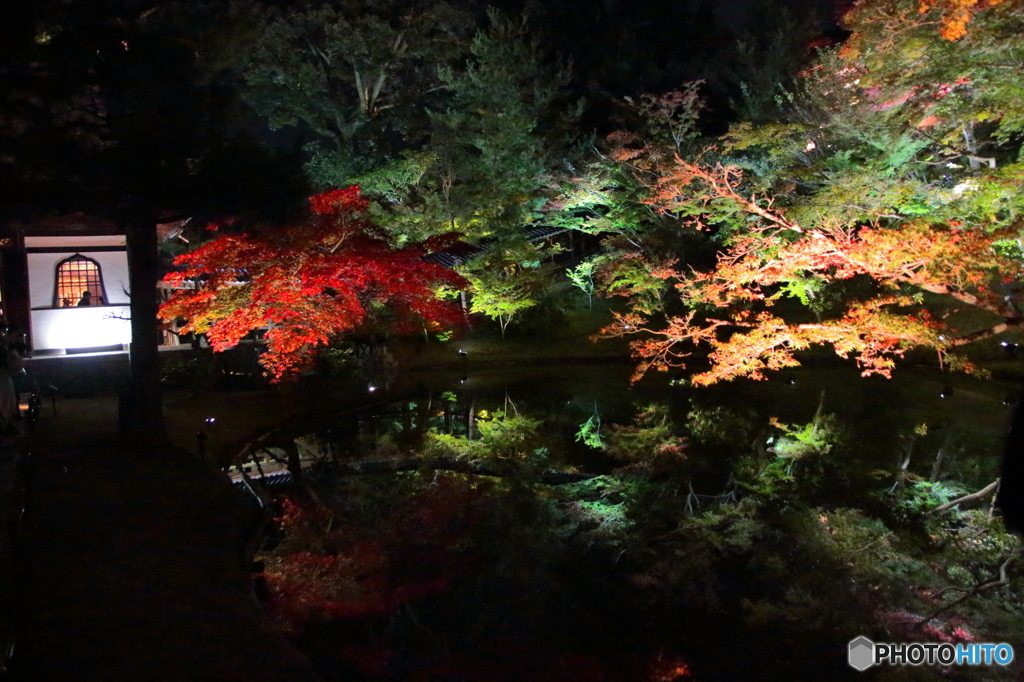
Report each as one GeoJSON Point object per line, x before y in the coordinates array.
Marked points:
{"type": "Point", "coordinates": [966, 498]}
{"type": "Point", "coordinates": [978, 589]}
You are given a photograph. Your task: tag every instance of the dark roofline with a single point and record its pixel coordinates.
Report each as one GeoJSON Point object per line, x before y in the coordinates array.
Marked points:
{"type": "Point", "coordinates": [72, 224]}
{"type": "Point", "coordinates": [461, 252]}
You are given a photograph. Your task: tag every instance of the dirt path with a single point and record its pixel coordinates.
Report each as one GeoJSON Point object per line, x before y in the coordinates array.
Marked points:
{"type": "Point", "coordinates": [131, 568]}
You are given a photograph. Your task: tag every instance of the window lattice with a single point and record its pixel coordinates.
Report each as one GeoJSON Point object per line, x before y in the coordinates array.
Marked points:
{"type": "Point", "coordinates": [75, 276]}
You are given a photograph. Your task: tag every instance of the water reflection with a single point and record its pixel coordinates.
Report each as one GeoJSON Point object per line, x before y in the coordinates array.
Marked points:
{"type": "Point", "coordinates": [716, 528]}
{"type": "Point", "coordinates": [935, 411]}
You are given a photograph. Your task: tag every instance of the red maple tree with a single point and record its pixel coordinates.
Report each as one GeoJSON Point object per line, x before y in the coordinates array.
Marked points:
{"type": "Point", "coordinates": [331, 273]}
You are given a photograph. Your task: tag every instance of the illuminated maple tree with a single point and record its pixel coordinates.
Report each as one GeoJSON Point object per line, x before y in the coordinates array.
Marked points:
{"type": "Point", "coordinates": [889, 197]}
{"type": "Point", "coordinates": [747, 336]}
{"type": "Point", "coordinates": [333, 272]}
{"type": "Point", "coordinates": [955, 14]}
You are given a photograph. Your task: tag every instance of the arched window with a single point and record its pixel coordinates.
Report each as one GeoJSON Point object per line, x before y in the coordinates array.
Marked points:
{"type": "Point", "coordinates": [76, 276]}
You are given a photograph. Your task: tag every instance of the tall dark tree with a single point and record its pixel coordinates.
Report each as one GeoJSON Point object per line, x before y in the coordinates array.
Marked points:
{"type": "Point", "coordinates": [446, 126]}
{"type": "Point", "coordinates": [356, 78]}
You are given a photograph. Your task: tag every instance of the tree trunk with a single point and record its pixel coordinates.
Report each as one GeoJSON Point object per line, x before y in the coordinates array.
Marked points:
{"type": "Point", "coordinates": [465, 308]}
{"type": "Point", "coordinates": [940, 455]}
{"type": "Point", "coordinates": [140, 414]}
{"type": "Point", "coordinates": [294, 459]}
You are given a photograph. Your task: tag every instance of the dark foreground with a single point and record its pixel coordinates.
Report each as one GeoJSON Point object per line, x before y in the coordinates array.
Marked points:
{"type": "Point", "coordinates": [130, 568]}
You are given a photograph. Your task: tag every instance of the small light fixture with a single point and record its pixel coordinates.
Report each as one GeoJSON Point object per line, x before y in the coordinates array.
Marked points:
{"type": "Point", "coordinates": [371, 388]}
{"type": "Point", "coordinates": [210, 420]}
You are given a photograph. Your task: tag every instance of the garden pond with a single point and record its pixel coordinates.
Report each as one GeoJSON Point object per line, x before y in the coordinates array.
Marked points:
{"type": "Point", "coordinates": [559, 523]}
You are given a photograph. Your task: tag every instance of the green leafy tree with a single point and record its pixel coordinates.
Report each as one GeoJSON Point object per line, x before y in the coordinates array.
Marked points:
{"type": "Point", "coordinates": [606, 200]}
{"type": "Point", "coordinates": [507, 279]}
{"type": "Point", "coordinates": [444, 130]}
{"type": "Point", "coordinates": [583, 277]}
{"type": "Point", "coordinates": [499, 141]}
{"type": "Point", "coordinates": [359, 77]}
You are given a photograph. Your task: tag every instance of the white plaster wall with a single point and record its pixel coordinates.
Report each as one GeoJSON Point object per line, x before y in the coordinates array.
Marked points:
{"type": "Point", "coordinates": [42, 279]}
{"type": "Point", "coordinates": [86, 327]}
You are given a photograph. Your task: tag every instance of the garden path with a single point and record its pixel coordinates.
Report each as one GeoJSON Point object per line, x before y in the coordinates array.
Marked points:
{"type": "Point", "coordinates": [130, 566]}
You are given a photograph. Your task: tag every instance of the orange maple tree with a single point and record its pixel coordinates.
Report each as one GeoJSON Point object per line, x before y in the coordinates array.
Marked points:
{"type": "Point", "coordinates": [957, 14]}
{"type": "Point", "coordinates": [950, 19]}
{"type": "Point", "coordinates": [880, 212]}
{"type": "Point", "coordinates": [734, 305]}
{"type": "Point", "coordinates": [306, 283]}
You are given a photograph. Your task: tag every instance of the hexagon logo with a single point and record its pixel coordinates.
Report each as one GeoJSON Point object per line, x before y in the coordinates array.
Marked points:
{"type": "Point", "coordinates": [862, 653]}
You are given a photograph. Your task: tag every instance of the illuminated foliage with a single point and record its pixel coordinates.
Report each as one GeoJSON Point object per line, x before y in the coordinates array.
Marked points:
{"type": "Point", "coordinates": [648, 444]}
{"type": "Point", "coordinates": [583, 277]}
{"type": "Point", "coordinates": [763, 269]}
{"type": "Point", "coordinates": [893, 186]}
{"type": "Point", "coordinates": [955, 15]}
{"type": "Point", "coordinates": [504, 132]}
{"type": "Point", "coordinates": [507, 279]}
{"type": "Point", "coordinates": [305, 283]}
{"type": "Point", "coordinates": [947, 59]}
